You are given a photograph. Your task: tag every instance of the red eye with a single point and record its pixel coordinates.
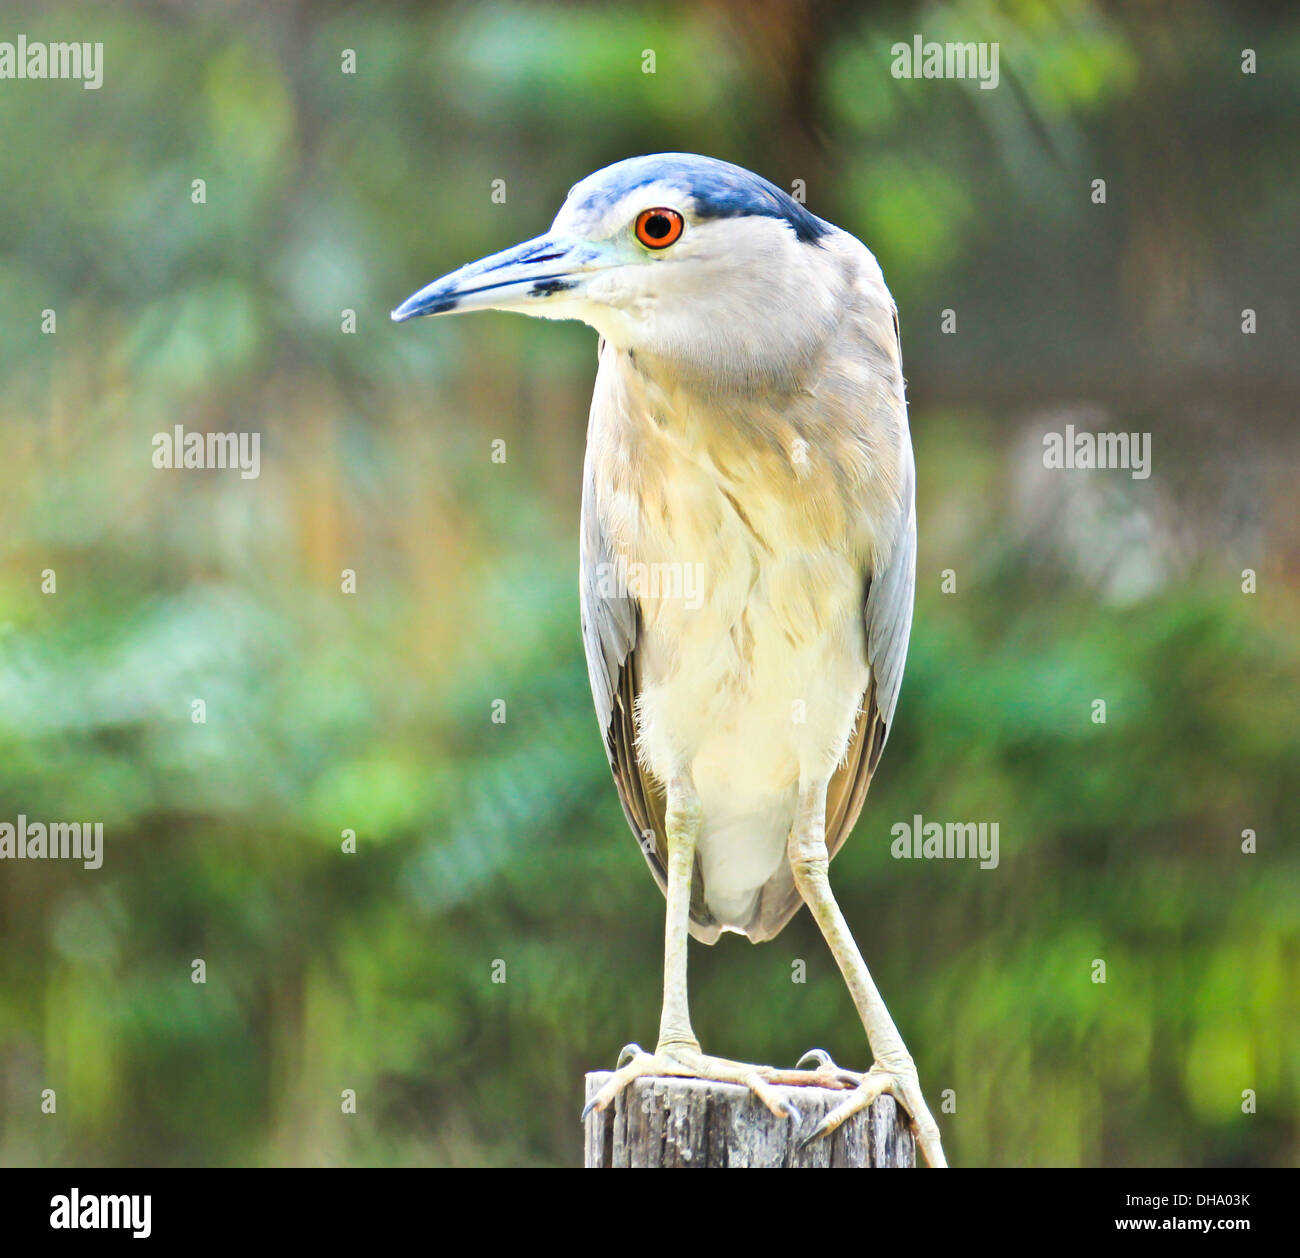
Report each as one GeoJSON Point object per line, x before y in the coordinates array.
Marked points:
{"type": "Point", "coordinates": [658, 228]}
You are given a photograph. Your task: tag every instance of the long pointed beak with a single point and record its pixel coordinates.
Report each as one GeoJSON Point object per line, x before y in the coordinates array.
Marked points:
{"type": "Point", "coordinates": [523, 278]}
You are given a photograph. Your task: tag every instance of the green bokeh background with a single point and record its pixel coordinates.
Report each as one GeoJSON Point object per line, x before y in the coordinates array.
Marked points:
{"type": "Point", "coordinates": [481, 843]}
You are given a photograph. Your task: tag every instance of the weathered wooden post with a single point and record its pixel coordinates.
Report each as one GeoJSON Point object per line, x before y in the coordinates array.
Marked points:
{"type": "Point", "coordinates": [692, 1122]}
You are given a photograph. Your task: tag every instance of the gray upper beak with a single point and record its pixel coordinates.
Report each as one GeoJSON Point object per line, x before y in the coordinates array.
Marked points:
{"type": "Point", "coordinates": [510, 280]}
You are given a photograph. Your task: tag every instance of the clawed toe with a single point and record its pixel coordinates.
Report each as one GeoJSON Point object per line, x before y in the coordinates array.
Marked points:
{"type": "Point", "coordinates": [687, 1062]}
{"type": "Point", "coordinates": [902, 1084]}
{"type": "Point", "coordinates": [819, 1056]}
{"type": "Point", "coordinates": [827, 1073]}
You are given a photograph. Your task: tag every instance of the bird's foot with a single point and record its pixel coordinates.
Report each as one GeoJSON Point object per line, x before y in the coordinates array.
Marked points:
{"type": "Point", "coordinates": [899, 1079]}
{"type": "Point", "coordinates": [688, 1062]}
{"type": "Point", "coordinates": [827, 1073]}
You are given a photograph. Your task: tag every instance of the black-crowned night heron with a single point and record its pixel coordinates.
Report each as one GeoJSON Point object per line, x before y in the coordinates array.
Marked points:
{"type": "Point", "coordinates": [748, 558]}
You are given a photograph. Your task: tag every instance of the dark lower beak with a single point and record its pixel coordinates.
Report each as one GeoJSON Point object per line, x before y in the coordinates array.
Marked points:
{"type": "Point", "coordinates": [515, 279]}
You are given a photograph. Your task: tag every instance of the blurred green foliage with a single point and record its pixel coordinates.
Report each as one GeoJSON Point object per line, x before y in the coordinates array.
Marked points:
{"type": "Point", "coordinates": [370, 712]}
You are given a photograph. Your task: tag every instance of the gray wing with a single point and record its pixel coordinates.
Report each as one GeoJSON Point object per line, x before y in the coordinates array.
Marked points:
{"type": "Point", "coordinates": [610, 630]}
{"type": "Point", "coordinates": [888, 610]}
{"type": "Point", "coordinates": [887, 618]}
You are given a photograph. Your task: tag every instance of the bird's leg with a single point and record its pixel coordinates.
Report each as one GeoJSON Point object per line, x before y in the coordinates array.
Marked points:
{"type": "Point", "coordinates": [678, 1051]}
{"type": "Point", "coordinates": [892, 1070]}
{"type": "Point", "coordinates": [684, 815]}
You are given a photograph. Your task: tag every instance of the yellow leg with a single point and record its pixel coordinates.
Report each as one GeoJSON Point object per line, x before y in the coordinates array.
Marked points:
{"type": "Point", "coordinates": [893, 1070]}
{"type": "Point", "coordinates": [678, 1051]}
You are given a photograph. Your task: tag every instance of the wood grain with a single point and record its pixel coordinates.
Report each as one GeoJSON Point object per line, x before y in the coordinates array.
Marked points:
{"type": "Point", "coordinates": [694, 1122]}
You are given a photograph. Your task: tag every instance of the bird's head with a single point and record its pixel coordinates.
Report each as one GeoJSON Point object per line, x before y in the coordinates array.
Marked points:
{"type": "Point", "coordinates": [697, 262]}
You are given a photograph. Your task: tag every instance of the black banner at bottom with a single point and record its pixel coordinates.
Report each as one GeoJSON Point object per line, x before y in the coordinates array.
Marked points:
{"type": "Point", "coordinates": [171, 1206]}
